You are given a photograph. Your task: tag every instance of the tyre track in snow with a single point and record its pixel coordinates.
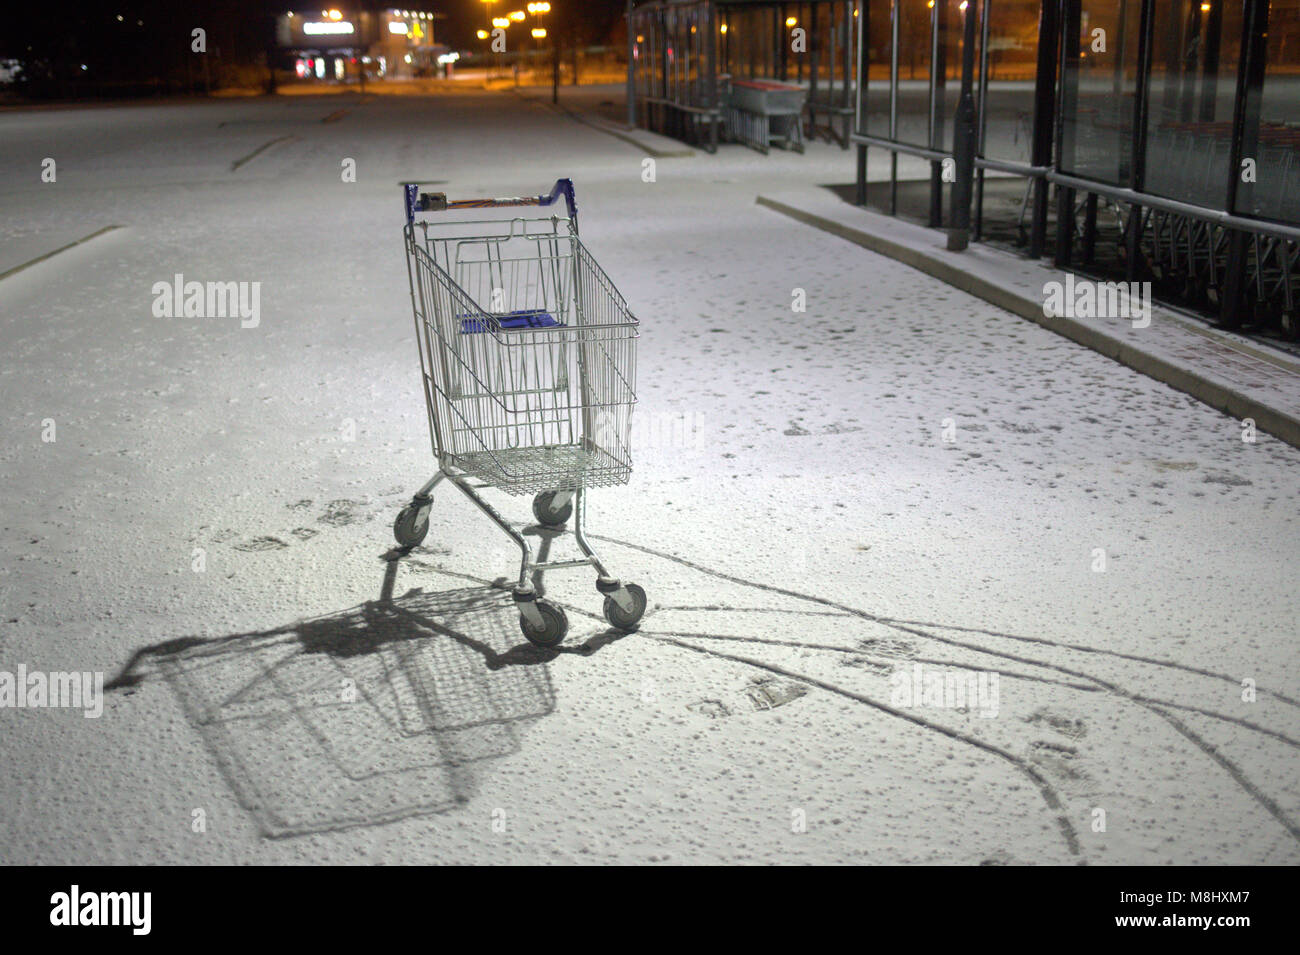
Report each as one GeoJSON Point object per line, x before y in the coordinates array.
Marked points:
{"type": "Point", "coordinates": [1156, 708]}
{"type": "Point", "coordinates": [1168, 664]}
{"type": "Point", "coordinates": [1010, 674]}
{"type": "Point", "coordinates": [1049, 793]}
{"type": "Point", "coordinates": [1234, 771]}
{"type": "Point", "coordinates": [897, 624]}
{"type": "Point", "coordinates": [1210, 751]}
{"type": "Point", "coordinates": [1045, 788]}
{"type": "Point", "coordinates": [853, 651]}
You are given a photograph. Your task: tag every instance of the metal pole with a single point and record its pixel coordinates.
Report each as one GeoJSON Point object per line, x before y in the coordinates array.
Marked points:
{"type": "Point", "coordinates": [1141, 102]}
{"type": "Point", "coordinates": [860, 92]}
{"type": "Point", "coordinates": [980, 146]}
{"type": "Point", "coordinates": [938, 71]}
{"type": "Point", "coordinates": [814, 47]}
{"type": "Point", "coordinates": [1210, 75]}
{"type": "Point", "coordinates": [711, 72]}
{"type": "Point", "coordinates": [963, 137]}
{"type": "Point", "coordinates": [1044, 120]}
{"type": "Point", "coordinates": [894, 15]}
{"type": "Point", "coordinates": [778, 28]}
{"type": "Point", "coordinates": [631, 80]}
{"type": "Point", "coordinates": [1245, 145]}
{"type": "Point", "coordinates": [1137, 168]}
{"type": "Point", "coordinates": [848, 59]}
{"type": "Point", "coordinates": [1066, 134]}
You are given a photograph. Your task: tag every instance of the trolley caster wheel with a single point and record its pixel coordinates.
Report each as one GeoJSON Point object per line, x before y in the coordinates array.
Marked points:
{"type": "Point", "coordinates": [412, 525]}
{"type": "Point", "coordinates": [626, 619]}
{"type": "Point", "coordinates": [553, 628]}
{"type": "Point", "coordinates": [547, 513]}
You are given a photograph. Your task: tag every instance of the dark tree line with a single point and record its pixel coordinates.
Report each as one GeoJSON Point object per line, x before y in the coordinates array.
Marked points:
{"type": "Point", "coordinates": [133, 47]}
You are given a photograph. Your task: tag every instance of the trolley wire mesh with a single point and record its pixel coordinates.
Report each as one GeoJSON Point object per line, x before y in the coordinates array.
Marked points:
{"type": "Point", "coordinates": [528, 353]}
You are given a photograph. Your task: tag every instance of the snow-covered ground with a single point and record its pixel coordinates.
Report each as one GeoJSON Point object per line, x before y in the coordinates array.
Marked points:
{"type": "Point", "coordinates": [902, 476]}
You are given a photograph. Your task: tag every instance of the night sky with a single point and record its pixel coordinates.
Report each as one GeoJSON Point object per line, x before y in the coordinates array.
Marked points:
{"type": "Point", "coordinates": [592, 19]}
{"type": "Point", "coordinates": [152, 33]}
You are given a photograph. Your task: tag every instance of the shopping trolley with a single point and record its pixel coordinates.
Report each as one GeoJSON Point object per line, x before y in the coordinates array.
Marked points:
{"type": "Point", "coordinates": [528, 355]}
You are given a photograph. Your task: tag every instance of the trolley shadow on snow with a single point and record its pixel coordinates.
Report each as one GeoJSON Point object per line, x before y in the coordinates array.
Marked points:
{"type": "Point", "coordinates": [382, 711]}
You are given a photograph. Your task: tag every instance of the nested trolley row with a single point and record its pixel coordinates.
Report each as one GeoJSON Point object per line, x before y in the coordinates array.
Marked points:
{"type": "Point", "coordinates": [528, 355]}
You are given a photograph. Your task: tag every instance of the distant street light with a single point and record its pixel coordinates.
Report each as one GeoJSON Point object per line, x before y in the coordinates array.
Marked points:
{"type": "Point", "coordinates": [539, 33]}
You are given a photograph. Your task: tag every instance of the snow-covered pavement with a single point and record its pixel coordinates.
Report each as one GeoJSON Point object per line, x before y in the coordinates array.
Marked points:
{"type": "Point", "coordinates": [899, 477]}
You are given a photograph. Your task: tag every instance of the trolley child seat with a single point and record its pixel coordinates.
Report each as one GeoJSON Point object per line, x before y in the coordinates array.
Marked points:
{"type": "Point", "coordinates": [528, 355]}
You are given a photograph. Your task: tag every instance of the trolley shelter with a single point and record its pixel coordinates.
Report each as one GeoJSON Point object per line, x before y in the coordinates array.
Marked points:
{"type": "Point", "coordinates": [688, 58]}
{"type": "Point", "coordinates": [1153, 140]}
{"type": "Point", "coordinates": [1150, 139]}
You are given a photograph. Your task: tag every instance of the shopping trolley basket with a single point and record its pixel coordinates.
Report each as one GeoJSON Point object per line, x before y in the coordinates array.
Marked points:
{"type": "Point", "coordinates": [528, 354]}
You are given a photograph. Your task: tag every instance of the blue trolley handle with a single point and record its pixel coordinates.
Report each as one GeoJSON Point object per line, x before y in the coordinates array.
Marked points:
{"type": "Point", "coordinates": [417, 201]}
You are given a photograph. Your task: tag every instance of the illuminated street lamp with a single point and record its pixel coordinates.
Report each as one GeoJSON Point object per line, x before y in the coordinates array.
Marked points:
{"type": "Point", "coordinates": [539, 33]}
{"type": "Point", "coordinates": [501, 22]}
{"type": "Point", "coordinates": [517, 16]}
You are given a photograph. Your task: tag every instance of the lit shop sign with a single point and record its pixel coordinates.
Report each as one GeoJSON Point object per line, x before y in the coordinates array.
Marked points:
{"type": "Point", "coordinates": [413, 32]}
{"type": "Point", "coordinates": [326, 28]}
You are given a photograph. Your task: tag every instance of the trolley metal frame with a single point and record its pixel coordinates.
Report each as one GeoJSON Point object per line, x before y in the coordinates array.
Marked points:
{"type": "Point", "coordinates": [527, 355]}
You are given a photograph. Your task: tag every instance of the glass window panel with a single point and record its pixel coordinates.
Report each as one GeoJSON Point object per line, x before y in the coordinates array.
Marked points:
{"type": "Point", "coordinates": [1196, 46]}
{"type": "Point", "coordinates": [914, 47]}
{"type": "Point", "coordinates": [1100, 80]}
{"type": "Point", "coordinates": [830, 42]}
{"type": "Point", "coordinates": [1012, 66]}
{"type": "Point", "coordinates": [874, 116]}
{"type": "Point", "coordinates": [1275, 194]}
